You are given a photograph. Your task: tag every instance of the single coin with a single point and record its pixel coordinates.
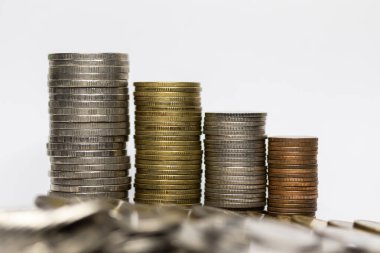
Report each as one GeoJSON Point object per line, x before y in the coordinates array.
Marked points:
{"type": "Point", "coordinates": [240, 186]}
{"type": "Point", "coordinates": [88, 111]}
{"type": "Point", "coordinates": [233, 204]}
{"type": "Point", "coordinates": [166, 138]}
{"type": "Point", "coordinates": [293, 153]}
{"type": "Point", "coordinates": [168, 128]}
{"type": "Point", "coordinates": [292, 178]}
{"type": "Point", "coordinates": [235, 119]}
{"type": "Point", "coordinates": [88, 91]}
{"type": "Point", "coordinates": [168, 118]}
{"type": "Point", "coordinates": [233, 163]}
{"type": "Point", "coordinates": [169, 157]}
{"type": "Point", "coordinates": [88, 118]}
{"type": "Point", "coordinates": [292, 149]}
{"type": "Point", "coordinates": [168, 89]}
{"type": "Point", "coordinates": [104, 188]}
{"type": "Point", "coordinates": [116, 195]}
{"type": "Point", "coordinates": [293, 139]}
{"type": "Point", "coordinates": [171, 201]}
{"type": "Point", "coordinates": [167, 124]}
{"type": "Point", "coordinates": [291, 172]}
{"type": "Point", "coordinates": [169, 106]}
{"type": "Point", "coordinates": [94, 167]}
{"type": "Point", "coordinates": [92, 56]}
{"type": "Point", "coordinates": [86, 146]}
{"type": "Point", "coordinates": [92, 139]}
{"type": "Point", "coordinates": [168, 113]}
{"type": "Point", "coordinates": [170, 192]}
{"type": "Point", "coordinates": [366, 225]}
{"type": "Point", "coordinates": [168, 148]}
{"type": "Point", "coordinates": [87, 153]}
{"type": "Point", "coordinates": [168, 181]}
{"type": "Point", "coordinates": [89, 132]}
{"type": "Point", "coordinates": [239, 151]}
{"type": "Point", "coordinates": [87, 76]}
{"type": "Point", "coordinates": [166, 84]}
{"type": "Point", "coordinates": [168, 186]}
{"type": "Point", "coordinates": [291, 210]}
{"type": "Point", "coordinates": [168, 162]}
{"type": "Point", "coordinates": [292, 183]}
{"type": "Point", "coordinates": [243, 143]}
{"type": "Point", "coordinates": [313, 145]}
{"type": "Point", "coordinates": [292, 157]}
{"type": "Point", "coordinates": [234, 124]}
{"type": "Point", "coordinates": [292, 205]}
{"type": "Point", "coordinates": [228, 155]}
{"type": "Point", "coordinates": [259, 158]}
{"type": "Point", "coordinates": [95, 62]}
{"type": "Point", "coordinates": [242, 179]}
{"type": "Point", "coordinates": [229, 191]}
{"type": "Point", "coordinates": [168, 99]}
{"type": "Point", "coordinates": [292, 162]}
{"type": "Point", "coordinates": [88, 69]}
{"type": "Point", "coordinates": [235, 114]}
{"type": "Point", "coordinates": [274, 214]}
{"type": "Point", "coordinates": [229, 181]}
{"type": "Point", "coordinates": [221, 196]}
{"type": "Point", "coordinates": [88, 83]}
{"type": "Point", "coordinates": [160, 172]}
{"type": "Point", "coordinates": [168, 144]}
{"type": "Point", "coordinates": [92, 174]}
{"type": "Point", "coordinates": [292, 188]}
{"type": "Point", "coordinates": [91, 182]}
{"type": "Point", "coordinates": [73, 125]}
{"type": "Point", "coordinates": [89, 160]}
{"type": "Point", "coordinates": [92, 97]}
{"type": "Point", "coordinates": [273, 196]}
{"type": "Point", "coordinates": [167, 177]}
{"type": "Point", "coordinates": [295, 175]}
{"type": "Point", "coordinates": [212, 173]}
{"type": "Point", "coordinates": [165, 94]}
{"type": "Point", "coordinates": [237, 170]}
{"type": "Point", "coordinates": [294, 166]}
{"type": "Point", "coordinates": [236, 137]}
{"type": "Point", "coordinates": [231, 147]}
{"type": "Point", "coordinates": [166, 133]}
{"type": "Point", "coordinates": [257, 131]}
{"type": "Point", "coordinates": [293, 193]}
{"type": "Point", "coordinates": [160, 196]}
{"type": "Point", "coordinates": [88, 104]}
{"type": "Point", "coordinates": [168, 167]}
{"type": "Point", "coordinates": [168, 153]}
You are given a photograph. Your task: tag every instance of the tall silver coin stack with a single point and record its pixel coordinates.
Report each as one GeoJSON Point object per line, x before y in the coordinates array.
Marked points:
{"type": "Point", "coordinates": [167, 138]}
{"type": "Point", "coordinates": [89, 125]}
{"type": "Point", "coordinates": [235, 159]}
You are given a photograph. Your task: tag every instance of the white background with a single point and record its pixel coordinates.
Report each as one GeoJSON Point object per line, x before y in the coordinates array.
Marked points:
{"type": "Point", "coordinates": [312, 65]}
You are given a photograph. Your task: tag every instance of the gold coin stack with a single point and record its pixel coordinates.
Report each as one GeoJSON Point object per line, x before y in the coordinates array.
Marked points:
{"type": "Point", "coordinates": [89, 125]}
{"type": "Point", "coordinates": [293, 175]}
{"type": "Point", "coordinates": [168, 123]}
{"type": "Point", "coordinates": [235, 154]}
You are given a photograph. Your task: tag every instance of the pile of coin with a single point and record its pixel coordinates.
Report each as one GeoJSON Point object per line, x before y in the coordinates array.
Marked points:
{"type": "Point", "coordinates": [167, 140]}
{"type": "Point", "coordinates": [293, 175]}
{"type": "Point", "coordinates": [235, 154]}
{"type": "Point", "coordinates": [89, 125]}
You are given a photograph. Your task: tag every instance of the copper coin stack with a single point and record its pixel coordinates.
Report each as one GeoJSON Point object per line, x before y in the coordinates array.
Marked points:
{"type": "Point", "coordinates": [235, 154]}
{"type": "Point", "coordinates": [168, 127]}
{"type": "Point", "coordinates": [89, 125]}
{"type": "Point", "coordinates": [293, 175]}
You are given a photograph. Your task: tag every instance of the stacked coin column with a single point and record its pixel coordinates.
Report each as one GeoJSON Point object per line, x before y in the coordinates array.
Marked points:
{"type": "Point", "coordinates": [293, 178]}
{"type": "Point", "coordinates": [89, 125]}
{"type": "Point", "coordinates": [235, 154]}
{"type": "Point", "coordinates": [167, 139]}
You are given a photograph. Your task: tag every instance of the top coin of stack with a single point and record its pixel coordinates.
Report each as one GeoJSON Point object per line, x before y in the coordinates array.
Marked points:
{"type": "Point", "coordinates": [89, 124]}
{"type": "Point", "coordinates": [293, 176]}
{"type": "Point", "coordinates": [167, 138]}
{"type": "Point", "coordinates": [235, 153]}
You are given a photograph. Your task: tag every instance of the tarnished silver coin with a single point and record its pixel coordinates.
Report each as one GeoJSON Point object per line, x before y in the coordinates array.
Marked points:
{"type": "Point", "coordinates": [104, 188]}
{"type": "Point", "coordinates": [89, 132]}
{"type": "Point", "coordinates": [88, 111]}
{"type": "Point", "coordinates": [91, 167]}
{"type": "Point", "coordinates": [86, 153]}
{"type": "Point", "coordinates": [91, 139]}
{"type": "Point", "coordinates": [92, 181]}
{"type": "Point", "coordinates": [88, 69]}
{"type": "Point", "coordinates": [90, 125]}
{"type": "Point", "coordinates": [86, 146]}
{"type": "Point", "coordinates": [88, 91]}
{"type": "Point", "coordinates": [88, 83]}
{"type": "Point", "coordinates": [90, 56]}
{"type": "Point", "coordinates": [260, 158]}
{"type": "Point", "coordinates": [83, 175]}
{"type": "Point", "coordinates": [92, 97]}
{"type": "Point", "coordinates": [89, 160]}
{"type": "Point", "coordinates": [116, 195]}
{"type": "Point", "coordinates": [89, 63]}
{"type": "Point", "coordinates": [75, 76]}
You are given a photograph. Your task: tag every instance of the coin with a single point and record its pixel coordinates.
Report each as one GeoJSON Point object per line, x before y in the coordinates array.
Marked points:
{"type": "Point", "coordinates": [169, 153]}
{"type": "Point", "coordinates": [217, 196]}
{"type": "Point", "coordinates": [167, 177]}
{"type": "Point", "coordinates": [89, 132]}
{"type": "Point", "coordinates": [171, 192]}
{"type": "Point", "coordinates": [180, 100]}
{"type": "Point", "coordinates": [193, 173]}
{"type": "Point", "coordinates": [165, 94]}
{"type": "Point", "coordinates": [97, 56]}
{"type": "Point", "coordinates": [294, 171]}
{"type": "Point", "coordinates": [366, 225]}
{"type": "Point", "coordinates": [165, 162]}
{"type": "Point", "coordinates": [169, 128]}
{"type": "Point", "coordinates": [214, 173]}
{"type": "Point", "coordinates": [168, 167]}
{"type": "Point", "coordinates": [88, 91]}
{"type": "Point", "coordinates": [88, 111]}
{"type": "Point", "coordinates": [259, 185]}
{"type": "Point", "coordinates": [166, 84]}
{"type": "Point", "coordinates": [293, 153]}
{"type": "Point", "coordinates": [88, 69]}
{"type": "Point", "coordinates": [168, 186]}
{"type": "Point", "coordinates": [235, 159]}
{"type": "Point", "coordinates": [168, 113]}
{"type": "Point", "coordinates": [292, 139]}
{"type": "Point", "coordinates": [258, 190]}
{"type": "Point", "coordinates": [234, 204]}
{"type": "Point", "coordinates": [86, 153]}
{"type": "Point", "coordinates": [292, 210]}
{"type": "Point", "coordinates": [150, 143]}
{"type": "Point", "coordinates": [169, 138]}
{"type": "Point", "coordinates": [292, 205]}
{"type": "Point", "coordinates": [93, 167]}
{"type": "Point", "coordinates": [87, 83]}
{"type": "Point", "coordinates": [100, 76]}
{"type": "Point", "coordinates": [340, 224]}
{"type": "Point", "coordinates": [167, 133]}
{"type": "Point", "coordinates": [168, 148]}
{"type": "Point", "coordinates": [116, 195]}
{"type": "Point", "coordinates": [86, 146]}
{"type": "Point", "coordinates": [92, 97]}
{"type": "Point", "coordinates": [229, 181]}
{"type": "Point", "coordinates": [172, 106]}
{"type": "Point", "coordinates": [73, 125]}
{"type": "Point", "coordinates": [91, 182]}
{"type": "Point", "coordinates": [88, 118]}
{"type": "Point", "coordinates": [168, 89]}
{"type": "Point", "coordinates": [172, 201]}
{"type": "Point", "coordinates": [168, 181]}
{"type": "Point", "coordinates": [104, 188]}
{"type": "Point", "coordinates": [82, 175]}
{"type": "Point", "coordinates": [91, 139]}
{"type": "Point", "coordinates": [293, 149]}
{"type": "Point", "coordinates": [88, 104]}
{"type": "Point", "coordinates": [293, 188]}
{"type": "Point", "coordinates": [293, 162]}
{"type": "Point", "coordinates": [293, 183]}
{"type": "Point", "coordinates": [292, 157]}
{"type": "Point", "coordinates": [89, 160]}
{"type": "Point", "coordinates": [155, 196]}
{"type": "Point", "coordinates": [106, 63]}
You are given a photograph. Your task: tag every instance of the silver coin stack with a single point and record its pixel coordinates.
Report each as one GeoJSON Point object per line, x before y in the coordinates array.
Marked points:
{"type": "Point", "coordinates": [235, 159]}
{"type": "Point", "coordinates": [89, 125]}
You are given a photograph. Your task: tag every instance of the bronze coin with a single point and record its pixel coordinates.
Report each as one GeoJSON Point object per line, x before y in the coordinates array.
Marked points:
{"type": "Point", "coordinates": [292, 205]}
{"type": "Point", "coordinates": [272, 148]}
{"type": "Point", "coordinates": [290, 171]}
{"type": "Point", "coordinates": [292, 201]}
{"type": "Point", "coordinates": [299, 175]}
{"type": "Point", "coordinates": [294, 167]}
{"type": "Point", "coordinates": [274, 214]}
{"type": "Point", "coordinates": [293, 139]}
{"type": "Point", "coordinates": [292, 162]}
{"type": "Point", "coordinates": [293, 184]}
{"type": "Point", "coordinates": [287, 178]}
{"type": "Point", "coordinates": [293, 193]}
{"type": "Point", "coordinates": [294, 188]}
{"type": "Point", "coordinates": [291, 210]}
{"type": "Point", "coordinates": [292, 153]}
{"type": "Point", "coordinates": [292, 157]}
{"type": "Point", "coordinates": [279, 196]}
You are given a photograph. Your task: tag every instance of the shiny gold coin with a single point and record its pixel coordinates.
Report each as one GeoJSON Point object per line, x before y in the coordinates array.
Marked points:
{"type": "Point", "coordinates": [168, 128]}
{"type": "Point", "coordinates": [167, 181]}
{"type": "Point", "coordinates": [170, 192]}
{"type": "Point", "coordinates": [168, 163]}
{"type": "Point", "coordinates": [167, 133]}
{"type": "Point", "coordinates": [168, 148]}
{"type": "Point", "coordinates": [168, 167]}
{"type": "Point", "coordinates": [167, 84]}
{"type": "Point", "coordinates": [169, 143]}
{"type": "Point", "coordinates": [155, 107]}
{"type": "Point", "coordinates": [167, 124]}
{"type": "Point", "coordinates": [197, 172]}
{"type": "Point", "coordinates": [168, 138]}
{"type": "Point", "coordinates": [168, 118]}
{"type": "Point", "coordinates": [168, 99]}
{"type": "Point", "coordinates": [167, 177]}
{"type": "Point", "coordinates": [168, 113]}
{"type": "Point", "coordinates": [173, 201]}
{"type": "Point", "coordinates": [169, 153]}
{"type": "Point", "coordinates": [148, 196]}
{"type": "Point", "coordinates": [169, 89]}
{"type": "Point", "coordinates": [170, 157]}
{"type": "Point", "coordinates": [150, 186]}
{"type": "Point", "coordinates": [165, 94]}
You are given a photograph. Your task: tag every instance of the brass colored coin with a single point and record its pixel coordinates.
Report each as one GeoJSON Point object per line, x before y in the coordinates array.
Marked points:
{"type": "Point", "coordinates": [197, 172]}
{"type": "Point", "coordinates": [153, 196]}
{"type": "Point", "coordinates": [89, 132]}
{"type": "Point", "coordinates": [93, 76]}
{"type": "Point", "coordinates": [90, 63]}
{"type": "Point", "coordinates": [116, 195]}
{"type": "Point", "coordinates": [92, 56]}
{"type": "Point", "coordinates": [89, 160]}
{"type": "Point", "coordinates": [168, 186]}
{"type": "Point", "coordinates": [92, 97]}
{"type": "Point", "coordinates": [169, 143]}
{"type": "Point", "coordinates": [94, 167]}
{"type": "Point", "coordinates": [173, 201]}
{"type": "Point", "coordinates": [291, 210]}
{"type": "Point", "coordinates": [167, 124]}
{"type": "Point", "coordinates": [91, 182]}
{"type": "Point", "coordinates": [168, 148]}
{"type": "Point", "coordinates": [88, 104]}
{"type": "Point", "coordinates": [149, 106]}
{"type": "Point", "coordinates": [234, 163]}
{"type": "Point", "coordinates": [88, 83]}
{"type": "Point", "coordinates": [168, 138]}
{"type": "Point", "coordinates": [168, 128]}
{"type": "Point", "coordinates": [87, 153]}
{"type": "Point", "coordinates": [168, 118]}
{"type": "Point", "coordinates": [165, 94]}
{"type": "Point", "coordinates": [104, 188]}
{"type": "Point", "coordinates": [168, 89]}
{"type": "Point", "coordinates": [167, 181]}
{"type": "Point", "coordinates": [169, 153]}
{"type": "Point", "coordinates": [88, 111]}
{"type": "Point", "coordinates": [166, 84]}
{"type": "Point", "coordinates": [73, 125]}
{"type": "Point", "coordinates": [170, 192]}
{"type": "Point", "coordinates": [83, 175]}
{"type": "Point", "coordinates": [168, 167]}
{"type": "Point", "coordinates": [168, 177]}
{"type": "Point", "coordinates": [168, 113]}
{"type": "Point", "coordinates": [366, 225]}
{"type": "Point", "coordinates": [292, 162]}
{"type": "Point", "coordinates": [168, 163]}
{"type": "Point", "coordinates": [88, 91]}
{"type": "Point", "coordinates": [169, 99]}
{"type": "Point", "coordinates": [92, 139]}
{"type": "Point", "coordinates": [293, 184]}
{"type": "Point", "coordinates": [294, 188]}
{"type": "Point", "coordinates": [166, 133]}
{"type": "Point", "coordinates": [240, 186]}
{"type": "Point", "coordinates": [86, 146]}
{"type": "Point", "coordinates": [170, 157]}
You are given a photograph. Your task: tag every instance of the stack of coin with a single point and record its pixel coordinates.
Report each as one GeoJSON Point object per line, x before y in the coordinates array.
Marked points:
{"type": "Point", "coordinates": [293, 178]}
{"type": "Point", "coordinates": [235, 154]}
{"type": "Point", "coordinates": [167, 140]}
{"type": "Point", "coordinates": [89, 125]}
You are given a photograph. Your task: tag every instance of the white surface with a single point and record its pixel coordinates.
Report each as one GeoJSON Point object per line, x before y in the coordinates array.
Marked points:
{"type": "Point", "coordinates": [312, 65]}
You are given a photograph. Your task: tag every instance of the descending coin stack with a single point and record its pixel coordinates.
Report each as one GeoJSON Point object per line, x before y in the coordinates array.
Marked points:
{"type": "Point", "coordinates": [235, 153]}
{"type": "Point", "coordinates": [89, 125]}
{"type": "Point", "coordinates": [167, 138]}
{"type": "Point", "coordinates": [293, 178]}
